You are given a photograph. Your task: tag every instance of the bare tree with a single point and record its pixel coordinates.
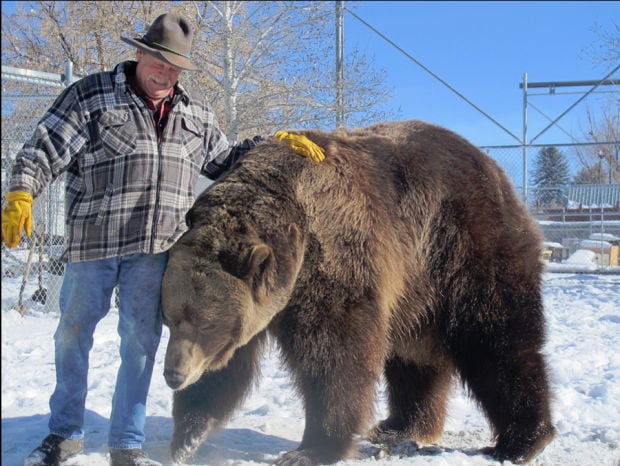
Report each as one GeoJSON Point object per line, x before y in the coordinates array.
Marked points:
{"type": "Point", "coordinates": [606, 50]}
{"type": "Point", "coordinates": [274, 65]}
{"type": "Point", "coordinates": [42, 35]}
{"type": "Point", "coordinates": [600, 161]}
{"type": "Point", "coordinates": [267, 65]}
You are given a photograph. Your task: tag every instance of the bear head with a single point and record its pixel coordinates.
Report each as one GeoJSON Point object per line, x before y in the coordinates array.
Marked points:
{"type": "Point", "coordinates": [222, 286]}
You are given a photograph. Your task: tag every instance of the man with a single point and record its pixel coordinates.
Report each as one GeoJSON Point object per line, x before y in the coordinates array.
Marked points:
{"type": "Point", "coordinates": [132, 143]}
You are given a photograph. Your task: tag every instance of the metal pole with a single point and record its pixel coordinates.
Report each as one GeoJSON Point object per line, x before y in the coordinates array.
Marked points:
{"type": "Point", "coordinates": [68, 77]}
{"type": "Point", "coordinates": [339, 66]}
{"type": "Point", "coordinates": [599, 83]}
{"type": "Point", "coordinates": [524, 138]}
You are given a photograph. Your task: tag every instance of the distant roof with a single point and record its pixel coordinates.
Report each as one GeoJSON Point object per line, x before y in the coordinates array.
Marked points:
{"type": "Point", "coordinates": [594, 194]}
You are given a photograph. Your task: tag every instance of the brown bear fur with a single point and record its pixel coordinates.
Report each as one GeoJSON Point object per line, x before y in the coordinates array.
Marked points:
{"type": "Point", "coordinates": [405, 253]}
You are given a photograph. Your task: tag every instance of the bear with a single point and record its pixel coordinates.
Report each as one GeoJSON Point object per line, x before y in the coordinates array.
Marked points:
{"type": "Point", "coordinates": [405, 256]}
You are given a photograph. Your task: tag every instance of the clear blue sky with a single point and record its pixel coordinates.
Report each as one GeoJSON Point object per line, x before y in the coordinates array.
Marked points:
{"type": "Point", "coordinates": [483, 49]}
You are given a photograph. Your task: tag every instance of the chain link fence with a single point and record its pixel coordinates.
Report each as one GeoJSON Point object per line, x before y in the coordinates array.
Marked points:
{"type": "Point", "coordinates": [573, 216]}
{"type": "Point", "coordinates": [588, 212]}
{"type": "Point", "coordinates": [35, 263]}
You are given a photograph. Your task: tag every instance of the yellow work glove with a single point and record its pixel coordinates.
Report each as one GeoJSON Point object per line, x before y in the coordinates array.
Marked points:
{"type": "Point", "coordinates": [302, 145]}
{"type": "Point", "coordinates": [16, 216]}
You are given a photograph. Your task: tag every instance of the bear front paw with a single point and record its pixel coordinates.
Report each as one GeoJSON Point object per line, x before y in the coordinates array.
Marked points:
{"type": "Point", "coordinates": [182, 449]}
{"type": "Point", "coordinates": [187, 437]}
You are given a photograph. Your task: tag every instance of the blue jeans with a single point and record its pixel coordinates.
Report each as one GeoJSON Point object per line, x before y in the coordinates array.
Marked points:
{"type": "Point", "coordinates": [84, 300]}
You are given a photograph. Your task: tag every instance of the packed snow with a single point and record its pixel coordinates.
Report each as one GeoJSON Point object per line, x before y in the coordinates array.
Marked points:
{"type": "Point", "coordinates": [583, 318]}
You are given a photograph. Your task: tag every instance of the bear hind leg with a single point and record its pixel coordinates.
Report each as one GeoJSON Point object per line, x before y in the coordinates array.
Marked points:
{"type": "Point", "coordinates": [417, 397]}
{"type": "Point", "coordinates": [507, 376]}
{"type": "Point", "coordinates": [520, 412]}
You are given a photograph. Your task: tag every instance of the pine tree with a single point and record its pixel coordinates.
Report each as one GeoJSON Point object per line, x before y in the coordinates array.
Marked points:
{"type": "Point", "coordinates": [550, 175]}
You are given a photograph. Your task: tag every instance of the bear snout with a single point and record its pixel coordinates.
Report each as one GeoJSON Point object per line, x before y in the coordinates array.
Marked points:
{"type": "Point", "coordinates": [174, 379]}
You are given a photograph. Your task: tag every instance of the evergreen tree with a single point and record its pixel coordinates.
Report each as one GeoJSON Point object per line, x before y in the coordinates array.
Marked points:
{"type": "Point", "coordinates": [551, 173]}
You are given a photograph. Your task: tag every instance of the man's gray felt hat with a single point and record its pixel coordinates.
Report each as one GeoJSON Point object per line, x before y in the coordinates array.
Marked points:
{"type": "Point", "coordinates": [169, 39]}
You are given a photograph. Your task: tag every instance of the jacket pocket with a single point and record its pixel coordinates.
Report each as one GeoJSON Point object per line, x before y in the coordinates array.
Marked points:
{"type": "Point", "coordinates": [118, 133]}
{"type": "Point", "coordinates": [193, 140]}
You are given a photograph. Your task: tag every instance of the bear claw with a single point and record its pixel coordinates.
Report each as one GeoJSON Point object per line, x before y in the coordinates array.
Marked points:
{"type": "Point", "coordinates": [522, 450]}
{"type": "Point", "coordinates": [296, 458]}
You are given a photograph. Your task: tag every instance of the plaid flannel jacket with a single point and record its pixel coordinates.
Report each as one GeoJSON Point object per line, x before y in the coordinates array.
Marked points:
{"type": "Point", "coordinates": [125, 192]}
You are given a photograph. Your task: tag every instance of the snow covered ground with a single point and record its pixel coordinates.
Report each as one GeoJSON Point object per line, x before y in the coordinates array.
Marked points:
{"type": "Point", "coordinates": [584, 337]}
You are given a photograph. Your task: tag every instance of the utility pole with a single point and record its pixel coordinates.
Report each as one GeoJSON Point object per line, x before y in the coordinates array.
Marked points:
{"type": "Point", "coordinates": [524, 140]}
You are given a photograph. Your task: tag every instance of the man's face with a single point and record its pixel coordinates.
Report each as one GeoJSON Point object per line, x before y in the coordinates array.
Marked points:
{"type": "Point", "coordinates": [155, 77]}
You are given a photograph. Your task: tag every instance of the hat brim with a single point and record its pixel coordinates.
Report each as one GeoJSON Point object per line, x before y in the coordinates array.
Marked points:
{"type": "Point", "coordinates": [168, 57]}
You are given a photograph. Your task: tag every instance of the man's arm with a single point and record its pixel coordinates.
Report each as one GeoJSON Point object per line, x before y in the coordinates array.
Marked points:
{"type": "Point", "coordinates": [225, 160]}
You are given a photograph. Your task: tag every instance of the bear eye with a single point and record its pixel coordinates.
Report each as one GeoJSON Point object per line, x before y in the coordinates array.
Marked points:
{"type": "Point", "coordinates": [207, 327]}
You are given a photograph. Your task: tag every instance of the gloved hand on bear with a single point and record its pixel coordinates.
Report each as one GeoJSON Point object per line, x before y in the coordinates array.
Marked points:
{"type": "Point", "coordinates": [302, 145]}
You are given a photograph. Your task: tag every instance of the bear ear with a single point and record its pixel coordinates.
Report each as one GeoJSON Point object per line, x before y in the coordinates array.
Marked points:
{"type": "Point", "coordinates": [266, 272]}
{"type": "Point", "coordinates": [260, 270]}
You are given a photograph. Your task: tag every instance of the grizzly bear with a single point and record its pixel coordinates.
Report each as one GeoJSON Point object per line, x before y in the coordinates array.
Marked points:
{"type": "Point", "coordinates": [404, 254]}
